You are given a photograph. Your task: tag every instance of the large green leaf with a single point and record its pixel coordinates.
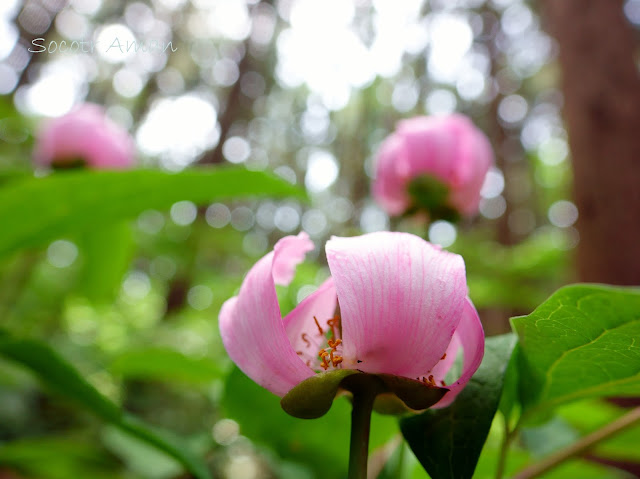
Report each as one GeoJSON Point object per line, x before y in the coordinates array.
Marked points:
{"type": "Point", "coordinates": [58, 458]}
{"type": "Point", "coordinates": [36, 210]}
{"type": "Point", "coordinates": [165, 364]}
{"type": "Point", "coordinates": [62, 378]}
{"type": "Point", "coordinates": [584, 341]}
{"type": "Point", "coordinates": [107, 251]}
{"type": "Point", "coordinates": [448, 441]}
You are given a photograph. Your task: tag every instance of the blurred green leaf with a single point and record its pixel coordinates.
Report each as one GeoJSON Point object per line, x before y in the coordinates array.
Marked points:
{"type": "Point", "coordinates": [322, 444]}
{"type": "Point", "coordinates": [588, 416]}
{"type": "Point", "coordinates": [62, 378]}
{"type": "Point", "coordinates": [509, 401]}
{"type": "Point", "coordinates": [37, 210]}
{"type": "Point", "coordinates": [57, 458]}
{"type": "Point", "coordinates": [165, 364]}
{"type": "Point", "coordinates": [582, 342]}
{"type": "Point", "coordinates": [448, 441]}
{"type": "Point", "coordinates": [107, 252]}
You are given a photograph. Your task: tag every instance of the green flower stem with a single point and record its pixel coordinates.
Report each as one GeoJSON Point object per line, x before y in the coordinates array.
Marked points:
{"type": "Point", "coordinates": [364, 394]}
{"type": "Point", "coordinates": [628, 420]}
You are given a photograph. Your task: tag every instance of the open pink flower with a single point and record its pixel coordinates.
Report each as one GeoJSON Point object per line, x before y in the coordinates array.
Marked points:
{"type": "Point", "coordinates": [403, 311]}
{"type": "Point", "coordinates": [85, 134]}
{"type": "Point", "coordinates": [449, 148]}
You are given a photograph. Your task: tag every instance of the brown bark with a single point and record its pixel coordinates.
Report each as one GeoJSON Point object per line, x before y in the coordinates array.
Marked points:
{"type": "Point", "coordinates": [601, 88]}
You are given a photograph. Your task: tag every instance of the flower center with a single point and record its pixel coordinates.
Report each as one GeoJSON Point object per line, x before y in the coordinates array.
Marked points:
{"type": "Point", "coordinates": [327, 343]}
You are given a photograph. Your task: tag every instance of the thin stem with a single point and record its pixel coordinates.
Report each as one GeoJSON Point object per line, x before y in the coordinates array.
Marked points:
{"type": "Point", "coordinates": [504, 449]}
{"type": "Point", "coordinates": [363, 399]}
{"type": "Point", "coordinates": [582, 445]}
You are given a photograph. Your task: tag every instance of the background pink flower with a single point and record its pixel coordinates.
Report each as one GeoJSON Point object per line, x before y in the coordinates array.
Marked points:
{"type": "Point", "coordinates": [86, 134]}
{"type": "Point", "coordinates": [449, 148]}
{"type": "Point", "coordinates": [403, 311]}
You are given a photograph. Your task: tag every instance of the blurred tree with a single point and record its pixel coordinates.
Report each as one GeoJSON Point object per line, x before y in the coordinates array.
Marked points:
{"type": "Point", "coordinates": [601, 88]}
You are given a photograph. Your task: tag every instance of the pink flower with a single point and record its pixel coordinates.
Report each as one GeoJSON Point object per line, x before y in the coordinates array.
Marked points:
{"type": "Point", "coordinates": [449, 148]}
{"type": "Point", "coordinates": [403, 311]}
{"type": "Point", "coordinates": [84, 134]}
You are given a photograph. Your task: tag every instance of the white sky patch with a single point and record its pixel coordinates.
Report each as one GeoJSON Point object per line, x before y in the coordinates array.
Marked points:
{"type": "Point", "coordinates": [330, 67]}
{"type": "Point", "coordinates": [397, 30]}
{"type": "Point", "coordinates": [341, 61]}
{"type": "Point", "coordinates": [450, 39]}
{"type": "Point", "coordinates": [442, 233]}
{"type": "Point", "coordinates": [179, 128]}
{"type": "Point", "coordinates": [493, 183]}
{"type": "Point", "coordinates": [113, 42]}
{"type": "Point", "coordinates": [230, 20]}
{"type": "Point", "coordinates": [322, 171]}
{"type": "Point", "coordinates": [9, 8]}
{"type": "Point", "coordinates": [87, 7]}
{"type": "Point", "coordinates": [61, 84]}
{"type": "Point", "coordinates": [8, 37]}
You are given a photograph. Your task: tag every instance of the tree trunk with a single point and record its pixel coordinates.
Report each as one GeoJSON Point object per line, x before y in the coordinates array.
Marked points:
{"type": "Point", "coordinates": [601, 88]}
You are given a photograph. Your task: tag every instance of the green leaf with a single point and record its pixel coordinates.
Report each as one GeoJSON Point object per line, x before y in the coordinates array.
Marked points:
{"type": "Point", "coordinates": [107, 252]}
{"type": "Point", "coordinates": [165, 364]}
{"type": "Point", "coordinates": [36, 210]}
{"type": "Point", "coordinates": [509, 401]}
{"type": "Point", "coordinates": [582, 342]}
{"type": "Point", "coordinates": [448, 441]}
{"type": "Point", "coordinates": [57, 458]}
{"type": "Point", "coordinates": [62, 378]}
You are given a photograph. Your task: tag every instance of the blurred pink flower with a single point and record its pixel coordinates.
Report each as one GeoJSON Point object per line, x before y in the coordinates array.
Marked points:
{"type": "Point", "coordinates": [449, 148]}
{"type": "Point", "coordinates": [84, 134]}
{"type": "Point", "coordinates": [403, 311]}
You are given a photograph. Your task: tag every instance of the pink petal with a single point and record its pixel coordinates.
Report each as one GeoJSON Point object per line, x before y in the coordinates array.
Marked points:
{"type": "Point", "coordinates": [400, 298]}
{"type": "Point", "coordinates": [86, 133]}
{"type": "Point", "coordinates": [251, 325]}
{"type": "Point", "coordinates": [321, 304]}
{"type": "Point", "coordinates": [390, 186]}
{"type": "Point", "coordinates": [441, 369]}
{"type": "Point", "coordinates": [471, 336]}
{"type": "Point", "coordinates": [476, 156]}
{"type": "Point", "coordinates": [429, 142]}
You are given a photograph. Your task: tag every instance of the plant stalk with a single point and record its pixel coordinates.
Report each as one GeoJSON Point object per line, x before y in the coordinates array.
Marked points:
{"type": "Point", "coordinates": [587, 442]}
{"type": "Point", "coordinates": [363, 398]}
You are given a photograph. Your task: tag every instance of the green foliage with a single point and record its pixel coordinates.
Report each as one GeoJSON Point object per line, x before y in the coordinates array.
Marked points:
{"type": "Point", "coordinates": [448, 441]}
{"type": "Point", "coordinates": [58, 458]}
{"type": "Point", "coordinates": [580, 343]}
{"type": "Point", "coordinates": [107, 251]}
{"type": "Point", "coordinates": [36, 210]}
{"type": "Point", "coordinates": [61, 377]}
{"type": "Point", "coordinates": [165, 364]}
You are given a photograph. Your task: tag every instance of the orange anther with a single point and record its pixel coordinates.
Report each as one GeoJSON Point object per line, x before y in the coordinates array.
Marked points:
{"type": "Point", "coordinates": [323, 354]}
{"type": "Point", "coordinates": [431, 378]}
{"type": "Point", "coordinates": [336, 360]}
{"type": "Point", "coordinates": [335, 343]}
{"type": "Point", "coordinates": [443, 383]}
{"type": "Point", "coordinates": [318, 325]}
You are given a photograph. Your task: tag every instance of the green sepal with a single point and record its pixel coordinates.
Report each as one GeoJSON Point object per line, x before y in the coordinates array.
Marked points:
{"type": "Point", "coordinates": [66, 164]}
{"type": "Point", "coordinates": [431, 195]}
{"type": "Point", "coordinates": [312, 398]}
{"type": "Point", "coordinates": [414, 394]}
